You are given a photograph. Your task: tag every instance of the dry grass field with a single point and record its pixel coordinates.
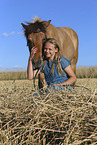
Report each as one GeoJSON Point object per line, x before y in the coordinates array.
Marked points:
{"type": "Point", "coordinates": [58, 118]}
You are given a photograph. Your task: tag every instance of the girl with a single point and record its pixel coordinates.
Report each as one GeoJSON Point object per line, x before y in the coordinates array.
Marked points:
{"type": "Point", "coordinates": [56, 69]}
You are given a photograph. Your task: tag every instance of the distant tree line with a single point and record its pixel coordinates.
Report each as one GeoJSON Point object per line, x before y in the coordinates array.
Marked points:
{"type": "Point", "coordinates": [82, 72]}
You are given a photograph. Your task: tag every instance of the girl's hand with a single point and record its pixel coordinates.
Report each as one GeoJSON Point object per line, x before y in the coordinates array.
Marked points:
{"type": "Point", "coordinates": [33, 52]}
{"type": "Point", "coordinates": [54, 84]}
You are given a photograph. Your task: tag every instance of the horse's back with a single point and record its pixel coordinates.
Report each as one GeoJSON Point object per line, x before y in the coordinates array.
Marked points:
{"type": "Point", "coordinates": [68, 32]}
{"type": "Point", "coordinates": [67, 39]}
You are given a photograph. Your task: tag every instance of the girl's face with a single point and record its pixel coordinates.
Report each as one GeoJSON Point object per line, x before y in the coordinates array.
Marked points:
{"type": "Point", "coordinates": [50, 50]}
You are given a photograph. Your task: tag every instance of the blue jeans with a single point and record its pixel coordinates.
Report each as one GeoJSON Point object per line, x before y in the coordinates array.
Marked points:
{"type": "Point", "coordinates": [56, 88]}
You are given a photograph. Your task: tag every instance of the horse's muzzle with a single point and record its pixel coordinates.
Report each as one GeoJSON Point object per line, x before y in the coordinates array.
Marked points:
{"type": "Point", "coordinates": [37, 64]}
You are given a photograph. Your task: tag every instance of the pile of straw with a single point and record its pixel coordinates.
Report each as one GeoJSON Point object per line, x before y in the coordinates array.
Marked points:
{"type": "Point", "coordinates": [57, 118]}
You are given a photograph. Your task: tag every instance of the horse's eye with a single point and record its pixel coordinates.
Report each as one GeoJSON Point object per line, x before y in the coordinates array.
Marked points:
{"type": "Point", "coordinates": [30, 44]}
{"type": "Point", "coordinates": [33, 44]}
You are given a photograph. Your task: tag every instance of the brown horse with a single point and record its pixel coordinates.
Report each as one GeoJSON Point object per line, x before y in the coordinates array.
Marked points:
{"type": "Point", "coordinates": [38, 30]}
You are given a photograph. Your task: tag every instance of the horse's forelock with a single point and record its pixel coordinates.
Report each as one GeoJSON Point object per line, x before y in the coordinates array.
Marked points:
{"type": "Point", "coordinates": [34, 26]}
{"type": "Point", "coordinates": [35, 19]}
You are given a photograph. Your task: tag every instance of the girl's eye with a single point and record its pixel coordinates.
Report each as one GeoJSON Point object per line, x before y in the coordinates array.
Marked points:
{"type": "Point", "coordinates": [47, 49]}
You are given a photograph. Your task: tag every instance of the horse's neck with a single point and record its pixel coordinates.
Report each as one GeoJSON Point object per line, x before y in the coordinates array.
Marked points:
{"type": "Point", "coordinates": [51, 31]}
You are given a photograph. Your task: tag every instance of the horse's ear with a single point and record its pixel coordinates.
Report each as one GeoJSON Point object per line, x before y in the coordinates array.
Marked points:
{"type": "Point", "coordinates": [24, 26]}
{"type": "Point", "coordinates": [46, 23]}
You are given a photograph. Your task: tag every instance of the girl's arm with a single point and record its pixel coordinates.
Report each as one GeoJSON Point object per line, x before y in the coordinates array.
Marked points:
{"type": "Point", "coordinates": [30, 72]}
{"type": "Point", "coordinates": [72, 77]}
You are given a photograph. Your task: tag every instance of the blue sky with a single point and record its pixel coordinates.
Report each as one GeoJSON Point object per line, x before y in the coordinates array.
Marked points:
{"type": "Point", "coordinates": [80, 15]}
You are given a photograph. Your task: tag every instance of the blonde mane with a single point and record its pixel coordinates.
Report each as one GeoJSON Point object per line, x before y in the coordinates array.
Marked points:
{"type": "Point", "coordinates": [35, 19]}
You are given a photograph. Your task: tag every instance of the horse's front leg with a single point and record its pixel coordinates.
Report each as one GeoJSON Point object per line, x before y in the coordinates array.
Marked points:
{"type": "Point", "coordinates": [40, 81]}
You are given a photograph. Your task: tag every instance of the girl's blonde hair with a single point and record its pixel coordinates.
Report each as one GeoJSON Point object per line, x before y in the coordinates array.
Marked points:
{"type": "Point", "coordinates": [57, 56]}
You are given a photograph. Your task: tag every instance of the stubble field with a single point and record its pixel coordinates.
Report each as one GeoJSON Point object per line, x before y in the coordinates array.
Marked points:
{"type": "Point", "coordinates": [62, 118]}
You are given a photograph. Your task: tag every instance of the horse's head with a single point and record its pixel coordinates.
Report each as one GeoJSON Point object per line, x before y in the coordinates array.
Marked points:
{"type": "Point", "coordinates": [35, 32]}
